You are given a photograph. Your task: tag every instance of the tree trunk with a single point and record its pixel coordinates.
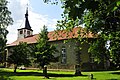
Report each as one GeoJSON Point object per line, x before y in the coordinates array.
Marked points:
{"type": "Point", "coordinates": [78, 60]}
{"type": "Point", "coordinates": [77, 70]}
{"type": "Point", "coordinates": [15, 67]}
{"type": "Point", "coordinates": [45, 72]}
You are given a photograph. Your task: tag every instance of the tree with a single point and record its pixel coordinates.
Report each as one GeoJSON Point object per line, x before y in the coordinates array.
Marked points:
{"type": "Point", "coordinates": [19, 55]}
{"type": "Point", "coordinates": [44, 50]}
{"type": "Point", "coordinates": [5, 20]}
{"type": "Point", "coordinates": [78, 58]}
{"type": "Point", "coordinates": [101, 17]}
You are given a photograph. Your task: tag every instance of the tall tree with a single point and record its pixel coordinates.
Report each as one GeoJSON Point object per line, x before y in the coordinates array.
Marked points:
{"type": "Point", "coordinates": [44, 50]}
{"type": "Point", "coordinates": [5, 20]}
{"type": "Point", "coordinates": [100, 17]}
{"type": "Point", "coordinates": [19, 55]}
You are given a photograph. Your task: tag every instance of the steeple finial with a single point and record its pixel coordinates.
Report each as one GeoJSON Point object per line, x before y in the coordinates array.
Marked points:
{"type": "Point", "coordinates": [26, 15]}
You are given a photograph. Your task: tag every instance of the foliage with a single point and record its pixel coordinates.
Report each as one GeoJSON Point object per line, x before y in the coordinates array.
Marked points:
{"type": "Point", "coordinates": [20, 55]}
{"type": "Point", "coordinates": [101, 17]}
{"type": "Point", "coordinates": [44, 51]}
{"type": "Point", "coordinates": [99, 51]}
{"type": "Point", "coordinates": [5, 20]}
{"type": "Point", "coordinates": [5, 78]}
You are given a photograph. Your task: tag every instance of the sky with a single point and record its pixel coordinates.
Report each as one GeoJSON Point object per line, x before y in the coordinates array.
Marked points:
{"type": "Point", "coordinates": [40, 14]}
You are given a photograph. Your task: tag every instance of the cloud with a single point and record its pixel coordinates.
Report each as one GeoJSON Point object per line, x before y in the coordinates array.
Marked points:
{"type": "Point", "coordinates": [18, 9]}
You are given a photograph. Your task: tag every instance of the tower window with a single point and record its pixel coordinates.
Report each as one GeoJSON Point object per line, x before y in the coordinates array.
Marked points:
{"type": "Point", "coordinates": [28, 32]}
{"type": "Point", "coordinates": [21, 32]}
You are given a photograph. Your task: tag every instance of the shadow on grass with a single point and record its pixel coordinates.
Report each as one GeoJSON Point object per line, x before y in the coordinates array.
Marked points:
{"type": "Point", "coordinates": [5, 73]}
{"type": "Point", "coordinates": [113, 79]}
{"type": "Point", "coordinates": [118, 73]}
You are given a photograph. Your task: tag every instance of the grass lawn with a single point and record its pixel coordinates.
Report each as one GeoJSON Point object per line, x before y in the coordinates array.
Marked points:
{"type": "Point", "coordinates": [57, 75]}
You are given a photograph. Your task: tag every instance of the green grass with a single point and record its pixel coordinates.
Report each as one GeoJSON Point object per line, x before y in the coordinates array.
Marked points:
{"type": "Point", "coordinates": [57, 75]}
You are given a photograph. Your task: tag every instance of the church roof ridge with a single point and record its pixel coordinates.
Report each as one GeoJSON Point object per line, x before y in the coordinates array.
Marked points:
{"type": "Point", "coordinates": [53, 36]}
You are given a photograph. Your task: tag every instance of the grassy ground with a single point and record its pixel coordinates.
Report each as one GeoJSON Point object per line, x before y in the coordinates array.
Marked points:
{"type": "Point", "coordinates": [57, 75]}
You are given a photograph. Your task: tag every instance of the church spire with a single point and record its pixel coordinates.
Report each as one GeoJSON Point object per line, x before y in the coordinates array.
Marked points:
{"type": "Point", "coordinates": [26, 31]}
{"type": "Point", "coordinates": [27, 24]}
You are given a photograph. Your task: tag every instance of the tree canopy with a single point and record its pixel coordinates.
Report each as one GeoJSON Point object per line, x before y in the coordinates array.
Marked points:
{"type": "Point", "coordinates": [19, 55]}
{"type": "Point", "coordinates": [44, 50]}
{"type": "Point", "coordinates": [5, 20]}
{"type": "Point", "coordinates": [101, 17]}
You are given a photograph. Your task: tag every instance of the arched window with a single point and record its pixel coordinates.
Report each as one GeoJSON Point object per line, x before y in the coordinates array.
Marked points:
{"type": "Point", "coordinates": [63, 55]}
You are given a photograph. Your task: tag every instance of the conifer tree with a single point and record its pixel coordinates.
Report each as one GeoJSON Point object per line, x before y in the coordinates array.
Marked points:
{"type": "Point", "coordinates": [44, 50]}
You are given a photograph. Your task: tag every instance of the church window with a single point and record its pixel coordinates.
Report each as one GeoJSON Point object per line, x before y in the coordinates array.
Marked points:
{"type": "Point", "coordinates": [21, 32]}
{"type": "Point", "coordinates": [63, 56]}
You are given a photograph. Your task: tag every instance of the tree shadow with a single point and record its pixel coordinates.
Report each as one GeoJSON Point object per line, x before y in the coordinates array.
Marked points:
{"type": "Point", "coordinates": [5, 73]}
{"type": "Point", "coordinates": [118, 73]}
{"type": "Point", "coordinates": [113, 79]}
{"type": "Point", "coordinates": [63, 75]}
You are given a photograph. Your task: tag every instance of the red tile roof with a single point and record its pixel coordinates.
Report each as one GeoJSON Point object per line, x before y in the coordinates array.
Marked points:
{"type": "Point", "coordinates": [56, 35]}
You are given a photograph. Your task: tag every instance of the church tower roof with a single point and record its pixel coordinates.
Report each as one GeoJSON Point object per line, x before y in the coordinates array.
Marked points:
{"type": "Point", "coordinates": [27, 24]}
{"type": "Point", "coordinates": [26, 31]}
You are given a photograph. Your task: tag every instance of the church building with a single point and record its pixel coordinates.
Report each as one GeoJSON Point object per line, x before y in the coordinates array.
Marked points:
{"type": "Point", "coordinates": [68, 56]}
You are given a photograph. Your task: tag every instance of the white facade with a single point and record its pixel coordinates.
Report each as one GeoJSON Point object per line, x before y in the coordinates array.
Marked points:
{"type": "Point", "coordinates": [22, 33]}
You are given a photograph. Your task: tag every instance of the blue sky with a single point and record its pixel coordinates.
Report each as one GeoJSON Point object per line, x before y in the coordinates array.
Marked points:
{"type": "Point", "coordinates": [54, 11]}
{"type": "Point", "coordinates": [40, 14]}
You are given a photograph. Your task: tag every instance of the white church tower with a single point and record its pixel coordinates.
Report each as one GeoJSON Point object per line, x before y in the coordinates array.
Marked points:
{"type": "Point", "coordinates": [26, 31]}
